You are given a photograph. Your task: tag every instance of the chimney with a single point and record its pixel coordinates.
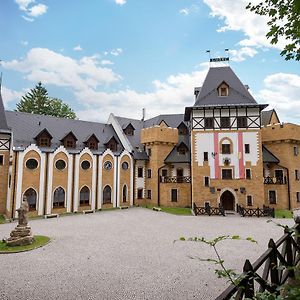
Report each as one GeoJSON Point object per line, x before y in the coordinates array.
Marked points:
{"type": "Point", "coordinates": [144, 114]}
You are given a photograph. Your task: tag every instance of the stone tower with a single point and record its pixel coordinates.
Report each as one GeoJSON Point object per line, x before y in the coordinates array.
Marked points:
{"type": "Point", "coordinates": [158, 140]}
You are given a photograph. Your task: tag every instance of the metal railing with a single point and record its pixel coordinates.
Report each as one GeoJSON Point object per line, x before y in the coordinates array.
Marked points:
{"type": "Point", "coordinates": [175, 179]}
{"type": "Point", "coordinates": [275, 180]}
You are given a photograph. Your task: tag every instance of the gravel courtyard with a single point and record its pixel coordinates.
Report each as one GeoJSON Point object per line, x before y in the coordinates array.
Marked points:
{"type": "Point", "coordinates": [128, 254]}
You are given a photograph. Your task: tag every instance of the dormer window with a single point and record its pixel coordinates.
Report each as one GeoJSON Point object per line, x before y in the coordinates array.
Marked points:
{"type": "Point", "coordinates": [182, 148]}
{"type": "Point", "coordinates": [223, 90]}
{"type": "Point", "coordinates": [112, 144]}
{"type": "Point", "coordinates": [129, 129]}
{"type": "Point", "coordinates": [69, 141]}
{"type": "Point", "coordinates": [43, 139]}
{"type": "Point", "coordinates": [92, 142]}
{"type": "Point", "coordinates": [182, 129]}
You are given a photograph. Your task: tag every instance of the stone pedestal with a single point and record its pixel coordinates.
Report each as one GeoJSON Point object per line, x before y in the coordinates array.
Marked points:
{"type": "Point", "coordinates": [20, 236]}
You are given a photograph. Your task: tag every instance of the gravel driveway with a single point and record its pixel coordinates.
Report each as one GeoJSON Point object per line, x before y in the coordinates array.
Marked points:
{"type": "Point", "coordinates": [128, 254]}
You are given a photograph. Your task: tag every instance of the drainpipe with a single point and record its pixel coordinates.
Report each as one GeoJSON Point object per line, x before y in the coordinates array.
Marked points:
{"type": "Point", "coordinates": [288, 180]}
{"type": "Point", "coordinates": [117, 179]}
{"type": "Point", "coordinates": [46, 182]}
{"type": "Point", "coordinates": [14, 187]}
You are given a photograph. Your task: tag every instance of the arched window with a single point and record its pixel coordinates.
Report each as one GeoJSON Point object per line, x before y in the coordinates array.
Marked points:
{"type": "Point", "coordinates": [59, 197]}
{"type": "Point", "coordinates": [107, 194]}
{"type": "Point", "coordinates": [84, 196]}
{"type": "Point", "coordinates": [124, 194]}
{"type": "Point", "coordinates": [31, 197]}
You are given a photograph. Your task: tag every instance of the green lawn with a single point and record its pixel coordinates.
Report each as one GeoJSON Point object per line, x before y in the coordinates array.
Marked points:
{"type": "Point", "coordinates": [172, 210]}
{"type": "Point", "coordinates": [2, 219]}
{"type": "Point", "coordinates": [281, 213]}
{"type": "Point", "coordinates": [40, 240]}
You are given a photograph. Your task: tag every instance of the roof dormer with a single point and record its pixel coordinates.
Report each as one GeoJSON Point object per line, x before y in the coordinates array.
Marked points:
{"type": "Point", "coordinates": [129, 129]}
{"type": "Point", "coordinates": [182, 129]}
{"type": "Point", "coordinates": [69, 141]}
{"type": "Point", "coordinates": [223, 89]}
{"type": "Point", "coordinates": [92, 142]}
{"type": "Point", "coordinates": [43, 139]}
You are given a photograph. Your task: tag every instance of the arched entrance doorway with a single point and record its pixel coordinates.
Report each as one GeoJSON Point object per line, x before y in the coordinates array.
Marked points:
{"type": "Point", "coordinates": [227, 200]}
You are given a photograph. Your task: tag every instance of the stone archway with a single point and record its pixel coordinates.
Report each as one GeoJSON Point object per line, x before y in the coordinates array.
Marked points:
{"type": "Point", "coordinates": [227, 200]}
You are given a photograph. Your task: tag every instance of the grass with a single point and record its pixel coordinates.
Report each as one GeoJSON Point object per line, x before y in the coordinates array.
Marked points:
{"type": "Point", "coordinates": [40, 241]}
{"type": "Point", "coordinates": [2, 219]}
{"type": "Point", "coordinates": [182, 211]}
{"type": "Point", "coordinates": [281, 213]}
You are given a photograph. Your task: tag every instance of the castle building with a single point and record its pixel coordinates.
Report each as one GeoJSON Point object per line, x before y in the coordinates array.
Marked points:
{"type": "Point", "coordinates": [224, 150]}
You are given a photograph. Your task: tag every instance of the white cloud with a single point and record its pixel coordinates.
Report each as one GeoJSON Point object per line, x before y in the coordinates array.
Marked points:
{"type": "Point", "coordinates": [237, 18]}
{"type": "Point", "coordinates": [169, 96]}
{"type": "Point", "coordinates": [120, 2]}
{"type": "Point", "coordinates": [9, 95]}
{"type": "Point", "coordinates": [77, 48]}
{"type": "Point", "coordinates": [41, 64]}
{"type": "Point", "coordinates": [242, 53]}
{"type": "Point", "coordinates": [188, 10]}
{"type": "Point", "coordinates": [282, 92]}
{"type": "Point", "coordinates": [32, 11]}
{"type": "Point", "coordinates": [23, 4]}
{"type": "Point", "coordinates": [37, 10]}
{"type": "Point", "coordinates": [116, 52]}
{"type": "Point", "coordinates": [106, 62]}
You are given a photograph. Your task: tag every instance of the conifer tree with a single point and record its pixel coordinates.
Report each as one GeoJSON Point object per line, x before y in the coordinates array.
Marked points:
{"type": "Point", "coordinates": [37, 101]}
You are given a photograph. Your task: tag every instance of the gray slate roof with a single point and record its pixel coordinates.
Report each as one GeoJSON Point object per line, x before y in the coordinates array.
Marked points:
{"type": "Point", "coordinates": [3, 122]}
{"type": "Point", "coordinates": [135, 140]}
{"type": "Point", "coordinates": [26, 127]}
{"type": "Point", "coordinates": [266, 117]}
{"type": "Point", "coordinates": [175, 157]}
{"type": "Point", "coordinates": [269, 157]}
{"type": "Point", "coordinates": [238, 93]}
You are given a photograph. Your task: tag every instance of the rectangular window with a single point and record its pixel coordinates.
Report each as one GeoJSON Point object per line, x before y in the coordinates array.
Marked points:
{"type": "Point", "coordinates": [1, 160]}
{"type": "Point", "coordinates": [296, 150]}
{"type": "Point", "coordinates": [209, 123]}
{"type": "Point", "coordinates": [148, 194]}
{"type": "Point", "coordinates": [225, 122]}
{"type": "Point", "coordinates": [140, 193]}
{"type": "Point", "coordinates": [149, 152]}
{"type": "Point", "coordinates": [174, 195]}
{"type": "Point", "coordinates": [297, 175]}
{"type": "Point", "coordinates": [279, 173]}
{"type": "Point", "coordinates": [272, 197]}
{"type": "Point", "coordinates": [226, 173]}
{"type": "Point", "coordinates": [248, 173]}
{"type": "Point", "coordinates": [164, 172]}
{"type": "Point", "coordinates": [249, 200]}
{"type": "Point", "coordinates": [206, 181]}
{"type": "Point", "coordinates": [298, 196]}
{"type": "Point", "coordinates": [149, 173]}
{"type": "Point", "coordinates": [223, 92]}
{"type": "Point", "coordinates": [247, 148]}
{"type": "Point", "coordinates": [225, 148]}
{"type": "Point", "coordinates": [241, 122]}
{"type": "Point", "coordinates": [205, 156]}
{"type": "Point", "coordinates": [140, 172]}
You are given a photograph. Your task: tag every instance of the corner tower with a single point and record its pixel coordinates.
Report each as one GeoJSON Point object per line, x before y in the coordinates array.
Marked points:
{"type": "Point", "coordinates": [226, 146]}
{"type": "Point", "coordinates": [5, 138]}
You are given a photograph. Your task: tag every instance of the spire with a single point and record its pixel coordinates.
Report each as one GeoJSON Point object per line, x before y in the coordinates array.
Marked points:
{"type": "Point", "coordinates": [3, 122]}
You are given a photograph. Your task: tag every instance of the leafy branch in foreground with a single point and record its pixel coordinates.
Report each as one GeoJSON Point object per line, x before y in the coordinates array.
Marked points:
{"type": "Point", "coordinates": [230, 274]}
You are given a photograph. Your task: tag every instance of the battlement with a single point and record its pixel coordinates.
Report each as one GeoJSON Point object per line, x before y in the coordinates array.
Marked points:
{"type": "Point", "coordinates": [159, 134]}
{"type": "Point", "coordinates": [281, 132]}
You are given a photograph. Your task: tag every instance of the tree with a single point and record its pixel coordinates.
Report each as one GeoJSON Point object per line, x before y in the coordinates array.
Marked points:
{"type": "Point", "coordinates": [283, 22]}
{"type": "Point", "coordinates": [37, 101]}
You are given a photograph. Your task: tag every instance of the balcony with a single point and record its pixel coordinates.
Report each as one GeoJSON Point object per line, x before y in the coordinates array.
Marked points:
{"type": "Point", "coordinates": [175, 179]}
{"type": "Point", "coordinates": [275, 180]}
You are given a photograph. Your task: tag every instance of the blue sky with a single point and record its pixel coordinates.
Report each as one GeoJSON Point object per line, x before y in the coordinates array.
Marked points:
{"type": "Point", "coordinates": [119, 56]}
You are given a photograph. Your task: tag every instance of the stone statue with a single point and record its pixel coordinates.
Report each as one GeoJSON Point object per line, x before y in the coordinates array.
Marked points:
{"type": "Point", "coordinates": [22, 213]}
{"type": "Point", "coordinates": [22, 234]}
